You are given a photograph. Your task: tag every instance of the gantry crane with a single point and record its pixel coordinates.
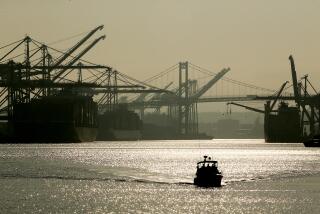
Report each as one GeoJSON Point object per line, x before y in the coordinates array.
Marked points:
{"type": "Point", "coordinates": [309, 104]}
{"type": "Point", "coordinates": [38, 76]}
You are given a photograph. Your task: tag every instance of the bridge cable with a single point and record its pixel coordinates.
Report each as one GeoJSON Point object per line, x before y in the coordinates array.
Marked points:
{"type": "Point", "coordinates": [229, 79]}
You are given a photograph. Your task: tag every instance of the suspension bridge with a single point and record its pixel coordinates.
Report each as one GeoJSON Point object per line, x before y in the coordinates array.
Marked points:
{"type": "Point", "coordinates": [204, 86]}
{"type": "Point", "coordinates": [189, 85]}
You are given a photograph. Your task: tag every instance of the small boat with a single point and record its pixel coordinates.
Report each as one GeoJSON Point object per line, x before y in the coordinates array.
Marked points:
{"type": "Point", "coordinates": [313, 142]}
{"type": "Point", "coordinates": [208, 174]}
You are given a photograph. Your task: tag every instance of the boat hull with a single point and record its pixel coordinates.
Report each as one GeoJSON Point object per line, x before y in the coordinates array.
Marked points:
{"type": "Point", "coordinates": [209, 181]}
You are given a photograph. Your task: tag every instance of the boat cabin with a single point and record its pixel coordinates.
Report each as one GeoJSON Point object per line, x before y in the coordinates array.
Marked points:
{"type": "Point", "coordinates": [207, 163]}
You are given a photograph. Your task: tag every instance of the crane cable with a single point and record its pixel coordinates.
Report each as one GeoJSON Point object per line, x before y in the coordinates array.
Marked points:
{"type": "Point", "coordinates": [11, 44]}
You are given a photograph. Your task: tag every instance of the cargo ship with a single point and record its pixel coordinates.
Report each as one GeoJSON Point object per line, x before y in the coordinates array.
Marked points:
{"type": "Point", "coordinates": [61, 118]}
{"type": "Point", "coordinates": [119, 124]}
{"type": "Point", "coordinates": [284, 126]}
{"type": "Point", "coordinates": [159, 127]}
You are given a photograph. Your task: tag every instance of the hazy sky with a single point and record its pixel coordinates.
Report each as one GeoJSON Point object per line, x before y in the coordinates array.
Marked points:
{"type": "Point", "coordinates": [252, 37]}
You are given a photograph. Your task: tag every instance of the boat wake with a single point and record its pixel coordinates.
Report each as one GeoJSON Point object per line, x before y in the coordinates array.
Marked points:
{"type": "Point", "coordinates": [124, 174]}
{"type": "Point", "coordinates": [76, 178]}
{"type": "Point", "coordinates": [134, 179]}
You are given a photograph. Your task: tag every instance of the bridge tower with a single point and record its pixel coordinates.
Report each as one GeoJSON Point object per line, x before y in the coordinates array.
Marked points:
{"type": "Point", "coordinates": [187, 108]}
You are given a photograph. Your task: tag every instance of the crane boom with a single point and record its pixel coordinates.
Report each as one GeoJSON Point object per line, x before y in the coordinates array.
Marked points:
{"type": "Point", "coordinates": [76, 46]}
{"type": "Point", "coordinates": [294, 80]}
{"type": "Point", "coordinates": [157, 96]}
{"type": "Point", "coordinates": [213, 81]}
{"type": "Point", "coordinates": [78, 57]}
{"type": "Point", "coordinates": [142, 96]}
{"type": "Point", "coordinates": [246, 107]}
{"type": "Point", "coordinates": [278, 95]}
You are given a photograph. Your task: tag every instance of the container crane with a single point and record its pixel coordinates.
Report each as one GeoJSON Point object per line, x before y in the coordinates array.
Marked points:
{"type": "Point", "coordinates": [297, 97]}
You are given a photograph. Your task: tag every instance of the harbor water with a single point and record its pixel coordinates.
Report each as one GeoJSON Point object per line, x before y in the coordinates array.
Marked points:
{"type": "Point", "coordinates": [157, 177]}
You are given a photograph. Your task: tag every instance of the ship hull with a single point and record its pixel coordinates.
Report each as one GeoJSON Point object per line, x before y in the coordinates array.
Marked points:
{"type": "Point", "coordinates": [312, 143]}
{"type": "Point", "coordinates": [119, 135]}
{"type": "Point", "coordinates": [119, 124]}
{"type": "Point", "coordinates": [54, 119]}
{"type": "Point", "coordinates": [283, 127]}
{"type": "Point", "coordinates": [52, 133]}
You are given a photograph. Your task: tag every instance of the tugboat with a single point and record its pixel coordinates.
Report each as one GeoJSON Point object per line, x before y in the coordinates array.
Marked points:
{"type": "Point", "coordinates": [208, 174]}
